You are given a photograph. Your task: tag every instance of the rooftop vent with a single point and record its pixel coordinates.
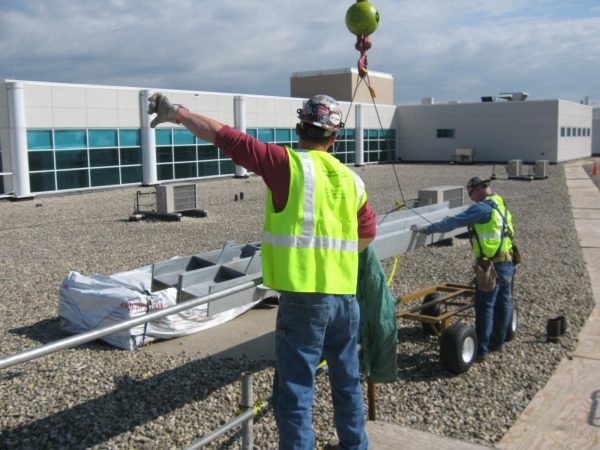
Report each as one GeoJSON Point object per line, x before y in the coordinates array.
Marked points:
{"type": "Point", "coordinates": [514, 96]}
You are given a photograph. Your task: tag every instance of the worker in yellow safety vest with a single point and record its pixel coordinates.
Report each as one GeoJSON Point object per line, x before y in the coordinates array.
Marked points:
{"type": "Point", "coordinates": [491, 232]}
{"type": "Point", "coordinates": [317, 220]}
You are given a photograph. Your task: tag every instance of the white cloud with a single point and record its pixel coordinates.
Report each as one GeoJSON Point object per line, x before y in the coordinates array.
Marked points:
{"type": "Point", "coordinates": [456, 51]}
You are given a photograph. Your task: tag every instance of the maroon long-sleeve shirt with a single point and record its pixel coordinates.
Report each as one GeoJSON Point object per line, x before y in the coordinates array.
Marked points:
{"type": "Point", "coordinates": [271, 162]}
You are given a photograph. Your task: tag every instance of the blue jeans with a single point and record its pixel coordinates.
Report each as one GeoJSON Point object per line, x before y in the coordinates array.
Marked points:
{"type": "Point", "coordinates": [308, 326]}
{"type": "Point", "coordinates": [492, 310]}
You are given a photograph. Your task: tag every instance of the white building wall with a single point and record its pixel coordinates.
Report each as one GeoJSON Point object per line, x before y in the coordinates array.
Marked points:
{"type": "Point", "coordinates": [499, 131]}
{"type": "Point", "coordinates": [596, 132]}
{"type": "Point", "coordinates": [574, 116]}
{"type": "Point", "coordinates": [5, 139]}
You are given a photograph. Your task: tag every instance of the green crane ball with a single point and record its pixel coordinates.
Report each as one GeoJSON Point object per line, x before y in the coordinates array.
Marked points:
{"type": "Point", "coordinates": [362, 18]}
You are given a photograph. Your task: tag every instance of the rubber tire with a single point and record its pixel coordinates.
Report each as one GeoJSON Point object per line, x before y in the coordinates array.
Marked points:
{"type": "Point", "coordinates": [513, 324]}
{"type": "Point", "coordinates": [458, 348]}
{"type": "Point", "coordinates": [432, 311]}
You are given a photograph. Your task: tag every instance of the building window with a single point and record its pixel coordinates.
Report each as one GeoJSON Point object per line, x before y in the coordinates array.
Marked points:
{"type": "Point", "coordinates": [446, 133]}
{"type": "Point", "coordinates": [568, 132]}
{"type": "Point", "coordinates": [562, 132]}
{"type": "Point", "coordinates": [588, 131]}
{"type": "Point", "coordinates": [380, 145]}
{"type": "Point", "coordinates": [180, 155]}
{"type": "Point", "coordinates": [81, 159]}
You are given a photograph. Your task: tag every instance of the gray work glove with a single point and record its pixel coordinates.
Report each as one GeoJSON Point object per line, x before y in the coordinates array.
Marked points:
{"type": "Point", "coordinates": [165, 111]}
{"type": "Point", "coordinates": [418, 228]}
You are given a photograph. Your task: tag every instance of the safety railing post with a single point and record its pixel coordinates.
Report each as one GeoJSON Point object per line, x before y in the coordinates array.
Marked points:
{"type": "Point", "coordinates": [247, 403]}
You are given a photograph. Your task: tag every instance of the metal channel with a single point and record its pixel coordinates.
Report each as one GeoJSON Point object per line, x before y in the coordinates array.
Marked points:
{"type": "Point", "coordinates": [394, 236]}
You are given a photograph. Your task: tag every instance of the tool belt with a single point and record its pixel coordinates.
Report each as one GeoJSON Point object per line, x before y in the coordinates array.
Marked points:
{"type": "Point", "coordinates": [503, 257]}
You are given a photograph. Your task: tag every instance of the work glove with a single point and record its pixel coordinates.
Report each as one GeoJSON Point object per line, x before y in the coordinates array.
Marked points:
{"type": "Point", "coordinates": [165, 111]}
{"type": "Point", "coordinates": [418, 228]}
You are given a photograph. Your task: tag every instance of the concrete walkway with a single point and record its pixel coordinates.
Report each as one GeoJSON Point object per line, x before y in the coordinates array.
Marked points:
{"type": "Point", "coordinates": [565, 414]}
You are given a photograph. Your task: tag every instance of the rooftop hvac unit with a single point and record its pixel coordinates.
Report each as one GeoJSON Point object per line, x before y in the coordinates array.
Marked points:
{"type": "Point", "coordinates": [542, 168]}
{"type": "Point", "coordinates": [175, 197]}
{"type": "Point", "coordinates": [464, 156]}
{"type": "Point", "coordinates": [515, 168]}
{"type": "Point", "coordinates": [441, 194]}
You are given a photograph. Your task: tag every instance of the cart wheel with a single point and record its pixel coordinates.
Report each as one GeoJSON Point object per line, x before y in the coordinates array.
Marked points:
{"type": "Point", "coordinates": [458, 348]}
{"type": "Point", "coordinates": [433, 311]}
{"type": "Point", "coordinates": [513, 324]}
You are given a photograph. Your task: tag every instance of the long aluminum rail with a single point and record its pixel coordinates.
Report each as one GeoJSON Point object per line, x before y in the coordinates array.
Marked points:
{"type": "Point", "coordinates": [88, 336]}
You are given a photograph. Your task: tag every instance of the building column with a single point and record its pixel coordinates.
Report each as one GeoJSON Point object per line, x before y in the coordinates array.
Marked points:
{"type": "Point", "coordinates": [18, 141]}
{"type": "Point", "coordinates": [239, 112]}
{"type": "Point", "coordinates": [359, 137]}
{"type": "Point", "coordinates": [149, 177]}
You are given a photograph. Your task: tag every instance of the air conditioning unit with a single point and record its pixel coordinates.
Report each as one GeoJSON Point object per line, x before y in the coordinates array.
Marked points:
{"type": "Point", "coordinates": [441, 194]}
{"type": "Point", "coordinates": [515, 168]}
{"type": "Point", "coordinates": [175, 197]}
{"type": "Point", "coordinates": [542, 168]}
{"type": "Point", "coordinates": [464, 156]}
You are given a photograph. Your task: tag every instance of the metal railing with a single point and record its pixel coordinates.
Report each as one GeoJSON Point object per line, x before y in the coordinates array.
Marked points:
{"type": "Point", "coordinates": [89, 336]}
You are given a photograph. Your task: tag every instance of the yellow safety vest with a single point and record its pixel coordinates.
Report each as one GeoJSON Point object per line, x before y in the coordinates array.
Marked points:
{"type": "Point", "coordinates": [312, 245]}
{"type": "Point", "coordinates": [495, 237]}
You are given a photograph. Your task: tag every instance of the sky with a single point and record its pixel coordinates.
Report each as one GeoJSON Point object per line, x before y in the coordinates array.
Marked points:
{"type": "Point", "coordinates": [451, 50]}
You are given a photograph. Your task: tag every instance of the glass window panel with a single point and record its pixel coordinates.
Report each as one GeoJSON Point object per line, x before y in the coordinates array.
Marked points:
{"type": "Point", "coordinates": [41, 161]}
{"type": "Point", "coordinates": [164, 154]}
{"type": "Point", "coordinates": [164, 171]}
{"type": "Point", "coordinates": [340, 146]}
{"type": "Point", "coordinates": [350, 158]}
{"type": "Point", "coordinates": [227, 167]}
{"type": "Point", "coordinates": [568, 132]}
{"type": "Point", "coordinates": [562, 131]}
{"type": "Point", "coordinates": [391, 145]}
{"type": "Point", "coordinates": [187, 153]}
{"type": "Point", "coordinates": [41, 182]}
{"type": "Point", "coordinates": [71, 159]}
{"type": "Point", "coordinates": [373, 134]}
{"type": "Point", "coordinates": [104, 157]}
{"type": "Point", "coordinates": [102, 138]}
{"type": "Point", "coordinates": [266, 135]}
{"type": "Point", "coordinates": [132, 174]}
{"type": "Point", "coordinates": [282, 135]}
{"type": "Point", "coordinates": [445, 133]}
{"type": "Point", "coordinates": [105, 177]}
{"type": "Point", "coordinates": [207, 169]}
{"type": "Point", "coordinates": [350, 133]}
{"type": "Point", "coordinates": [373, 145]}
{"type": "Point", "coordinates": [392, 134]}
{"type": "Point", "coordinates": [72, 179]}
{"type": "Point", "coordinates": [295, 145]}
{"type": "Point", "coordinates": [183, 137]}
{"type": "Point", "coordinates": [130, 138]}
{"type": "Point", "coordinates": [294, 136]}
{"type": "Point", "coordinates": [131, 156]}
{"type": "Point", "coordinates": [39, 139]}
{"type": "Point", "coordinates": [201, 142]}
{"type": "Point", "coordinates": [70, 139]}
{"type": "Point", "coordinates": [578, 131]}
{"type": "Point", "coordinates": [251, 132]}
{"type": "Point", "coordinates": [588, 131]}
{"type": "Point", "coordinates": [351, 146]}
{"type": "Point", "coordinates": [163, 137]}
{"type": "Point", "coordinates": [186, 170]}
{"type": "Point", "coordinates": [207, 152]}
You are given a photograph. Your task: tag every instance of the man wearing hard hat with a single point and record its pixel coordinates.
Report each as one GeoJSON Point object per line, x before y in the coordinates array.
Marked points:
{"type": "Point", "coordinates": [491, 232]}
{"type": "Point", "coordinates": [317, 220]}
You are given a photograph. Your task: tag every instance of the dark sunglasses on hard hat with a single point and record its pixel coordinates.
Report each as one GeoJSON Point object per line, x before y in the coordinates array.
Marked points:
{"type": "Point", "coordinates": [482, 185]}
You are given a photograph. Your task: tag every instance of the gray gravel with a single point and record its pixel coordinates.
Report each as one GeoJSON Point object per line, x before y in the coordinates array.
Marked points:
{"type": "Point", "coordinates": [99, 397]}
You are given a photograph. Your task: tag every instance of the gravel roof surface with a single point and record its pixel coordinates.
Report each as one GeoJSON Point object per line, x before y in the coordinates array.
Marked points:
{"type": "Point", "coordinates": [96, 396]}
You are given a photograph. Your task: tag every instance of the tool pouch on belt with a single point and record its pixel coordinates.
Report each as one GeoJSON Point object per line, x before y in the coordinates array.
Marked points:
{"type": "Point", "coordinates": [485, 275]}
{"type": "Point", "coordinates": [516, 255]}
